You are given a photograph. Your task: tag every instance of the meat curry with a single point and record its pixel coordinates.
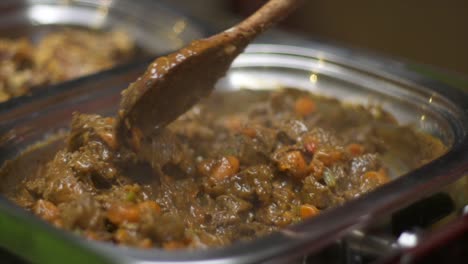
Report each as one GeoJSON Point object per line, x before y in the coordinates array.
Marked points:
{"type": "Point", "coordinates": [237, 166]}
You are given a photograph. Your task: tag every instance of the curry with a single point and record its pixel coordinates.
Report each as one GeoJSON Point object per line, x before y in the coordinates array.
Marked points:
{"type": "Point", "coordinates": [237, 166]}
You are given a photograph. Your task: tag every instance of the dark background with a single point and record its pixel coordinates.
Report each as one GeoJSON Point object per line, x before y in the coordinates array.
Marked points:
{"type": "Point", "coordinates": [430, 32]}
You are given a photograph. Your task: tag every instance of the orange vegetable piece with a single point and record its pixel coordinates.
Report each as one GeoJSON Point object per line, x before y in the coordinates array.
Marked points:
{"type": "Point", "coordinates": [304, 106]}
{"type": "Point", "coordinates": [294, 163]}
{"type": "Point", "coordinates": [227, 166]}
{"type": "Point", "coordinates": [248, 131]}
{"type": "Point", "coordinates": [355, 149]}
{"type": "Point", "coordinates": [380, 176]}
{"type": "Point", "coordinates": [329, 157]}
{"type": "Point", "coordinates": [371, 175]}
{"type": "Point", "coordinates": [150, 206]}
{"type": "Point", "coordinates": [120, 213]}
{"type": "Point", "coordinates": [307, 211]}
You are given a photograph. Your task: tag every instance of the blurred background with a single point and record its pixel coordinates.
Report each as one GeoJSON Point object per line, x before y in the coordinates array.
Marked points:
{"type": "Point", "coordinates": [430, 32]}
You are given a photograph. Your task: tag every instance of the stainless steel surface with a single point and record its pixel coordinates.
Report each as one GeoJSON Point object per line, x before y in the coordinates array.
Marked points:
{"type": "Point", "coordinates": [428, 105]}
{"type": "Point", "coordinates": [156, 28]}
{"type": "Point", "coordinates": [359, 245]}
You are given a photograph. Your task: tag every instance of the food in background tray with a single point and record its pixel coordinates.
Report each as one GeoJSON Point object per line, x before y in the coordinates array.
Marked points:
{"type": "Point", "coordinates": [58, 56]}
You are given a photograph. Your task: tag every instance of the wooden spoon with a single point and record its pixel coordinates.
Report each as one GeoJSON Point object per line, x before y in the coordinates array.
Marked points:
{"type": "Point", "coordinates": [173, 84]}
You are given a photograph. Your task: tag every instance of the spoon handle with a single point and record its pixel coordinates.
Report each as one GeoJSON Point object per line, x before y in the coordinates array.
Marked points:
{"type": "Point", "coordinates": [269, 14]}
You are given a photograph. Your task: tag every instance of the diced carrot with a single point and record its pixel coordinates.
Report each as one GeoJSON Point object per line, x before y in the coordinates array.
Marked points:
{"type": "Point", "coordinates": [371, 175]}
{"type": "Point", "coordinates": [248, 131]}
{"type": "Point", "coordinates": [294, 163]}
{"type": "Point", "coordinates": [307, 211]}
{"type": "Point", "coordinates": [46, 210]}
{"type": "Point", "coordinates": [227, 167]}
{"type": "Point", "coordinates": [355, 149]}
{"type": "Point", "coordinates": [149, 206]}
{"type": "Point", "coordinates": [329, 157]}
{"type": "Point", "coordinates": [304, 106]}
{"type": "Point", "coordinates": [380, 176]}
{"type": "Point", "coordinates": [120, 213]}
{"type": "Point", "coordinates": [234, 162]}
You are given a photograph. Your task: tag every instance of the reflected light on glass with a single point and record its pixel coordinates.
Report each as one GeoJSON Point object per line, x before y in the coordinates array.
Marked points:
{"type": "Point", "coordinates": [179, 26]}
{"type": "Point", "coordinates": [177, 29]}
{"type": "Point", "coordinates": [313, 78]}
{"type": "Point", "coordinates": [63, 14]}
{"type": "Point", "coordinates": [245, 81]}
{"type": "Point", "coordinates": [407, 240]}
{"type": "Point", "coordinates": [43, 15]}
{"type": "Point", "coordinates": [321, 62]}
{"type": "Point", "coordinates": [103, 12]}
{"type": "Point", "coordinates": [423, 117]}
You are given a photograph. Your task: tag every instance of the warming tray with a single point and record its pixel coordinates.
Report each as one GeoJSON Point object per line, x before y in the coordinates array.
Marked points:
{"type": "Point", "coordinates": [426, 104]}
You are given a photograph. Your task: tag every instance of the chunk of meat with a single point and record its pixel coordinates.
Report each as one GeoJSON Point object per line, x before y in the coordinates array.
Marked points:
{"type": "Point", "coordinates": [83, 213]}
